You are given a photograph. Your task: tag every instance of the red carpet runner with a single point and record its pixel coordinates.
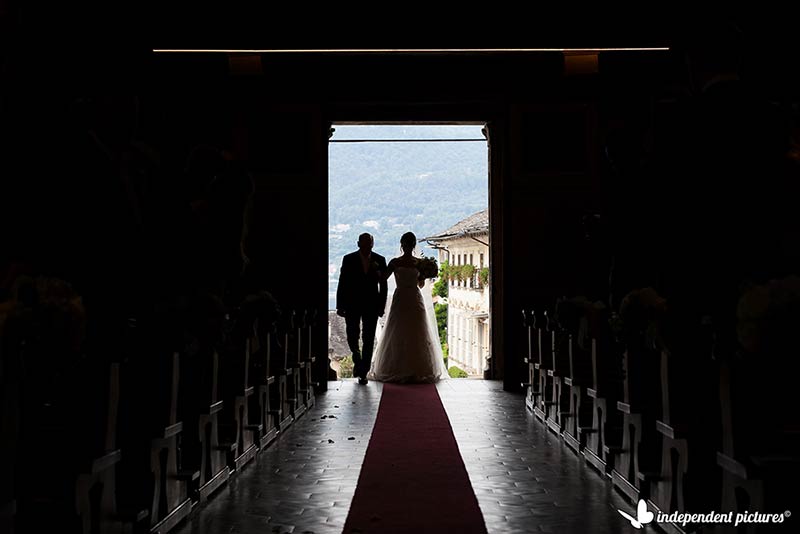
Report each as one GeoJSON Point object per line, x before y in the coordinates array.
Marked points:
{"type": "Point", "coordinates": [413, 479]}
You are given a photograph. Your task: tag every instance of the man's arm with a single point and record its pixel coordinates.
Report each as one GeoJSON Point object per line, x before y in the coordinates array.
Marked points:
{"type": "Point", "coordinates": [384, 289]}
{"type": "Point", "coordinates": [342, 290]}
{"type": "Point", "coordinates": [387, 272]}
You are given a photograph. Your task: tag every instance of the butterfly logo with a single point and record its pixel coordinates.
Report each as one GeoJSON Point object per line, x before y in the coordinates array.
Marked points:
{"type": "Point", "coordinates": [643, 516]}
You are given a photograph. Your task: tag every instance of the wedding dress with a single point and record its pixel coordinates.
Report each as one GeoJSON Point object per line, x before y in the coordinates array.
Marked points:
{"type": "Point", "coordinates": [408, 349]}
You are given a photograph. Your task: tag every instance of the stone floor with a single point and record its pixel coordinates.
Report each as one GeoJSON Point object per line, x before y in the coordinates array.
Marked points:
{"type": "Point", "coordinates": [525, 479]}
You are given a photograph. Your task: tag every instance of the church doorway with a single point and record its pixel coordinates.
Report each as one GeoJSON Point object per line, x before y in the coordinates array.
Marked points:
{"type": "Point", "coordinates": [432, 180]}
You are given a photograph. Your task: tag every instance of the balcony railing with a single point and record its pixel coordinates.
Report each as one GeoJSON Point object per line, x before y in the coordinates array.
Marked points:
{"type": "Point", "coordinates": [473, 283]}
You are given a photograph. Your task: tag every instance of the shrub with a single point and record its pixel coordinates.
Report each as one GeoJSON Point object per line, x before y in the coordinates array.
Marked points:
{"type": "Point", "coordinates": [346, 367]}
{"type": "Point", "coordinates": [484, 276]}
{"type": "Point", "coordinates": [456, 372]}
{"type": "Point", "coordinates": [468, 271]}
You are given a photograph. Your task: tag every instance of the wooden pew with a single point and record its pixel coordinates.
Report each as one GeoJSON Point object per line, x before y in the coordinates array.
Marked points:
{"type": "Point", "coordinates": [74, 490]}
{"type": "Point", "coordinates": [309, 357]}
{"type": "Point", "coordinates": [238, 433]}
{"type": "Point", "coordinates": [294, 363]}
{"type": "Point", "coordinates": [689, 419]}
{"type": "Point", "coordinates": [200, 403]}
{"type": "Point", "coordinates": [171, 503]}
{"type": "Point", "coordinates": [759, 458]}
{"type": "Point", "coordinates": [606, 438]}
{"type": "Point", "coordinates": [10, 376]}
{"type": "Point", "coordinates": [544, 340]}
{"type": "Point", "coordinates": [63, 412]}
{"type": "Point", "coordinates": [532, 359]}
{"type": "Point", "coordinates": [96, 487]}
{"type": "Point", "coordinates": [639, 460]}
{"type": "Point", "coordinates": [257, 317]}
{"type": "Point", "coordinates": [260, 409]}
{"type": "Point", "coordinates": [201, 408]}
{"type": "Point", "coordinates": [578, 419]}
{"type": "Point", "coordinates": [150, 472]}
{"type": "Point", "coordinates": [760, 424]}
{"type": "Point", "coordinates": [577, 416]}
{"type": "Point", "coordinates": [8, 513]}
{"type": "Point", "coordinates": [558, 372]}
{"type": "Point", "coordinates": [279, 400]}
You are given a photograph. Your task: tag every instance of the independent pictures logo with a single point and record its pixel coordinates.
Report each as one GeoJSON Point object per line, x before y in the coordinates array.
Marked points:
{"type": "Point", "coordinates": [644, 516]}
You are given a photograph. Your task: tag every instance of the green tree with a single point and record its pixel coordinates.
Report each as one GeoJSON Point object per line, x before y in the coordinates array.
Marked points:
{"type": "Point", "coordinates": [441, 286]}
{"type": "Point", "coordinates": [441, 320]}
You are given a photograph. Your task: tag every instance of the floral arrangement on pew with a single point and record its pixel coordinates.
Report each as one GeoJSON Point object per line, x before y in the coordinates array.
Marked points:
{"type": "Point", "coordinates": [577, 315]}
{"type": "Point", "coordinates": [242, 320]}
{"type": "Point", "coordinates": [428, 268]}
{"type": "Point", "coordinates": [640, 314]}
{"type": "Point", "coordinates": [768, 316]}
{"type": "Point", "coordinates": [204, 320]}
{"type": "Point", "coordinates": [48, 311]}
{"type": "Point", "coordinates": [768, 319]}
{"type": "Point", "coordinates": [262, 311]}
{"type": "Point", "coordinates": [261, 305]}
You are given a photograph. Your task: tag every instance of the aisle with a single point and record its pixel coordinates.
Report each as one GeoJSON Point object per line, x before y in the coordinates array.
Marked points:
{"type": "Point", "coordinates": [413, 478]}
{"type": "Point", "coordinates": [524, 478]}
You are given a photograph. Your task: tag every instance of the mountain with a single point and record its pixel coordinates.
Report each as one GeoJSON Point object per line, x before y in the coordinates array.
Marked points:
{"type": "Point", "coordinates": [388, 189]}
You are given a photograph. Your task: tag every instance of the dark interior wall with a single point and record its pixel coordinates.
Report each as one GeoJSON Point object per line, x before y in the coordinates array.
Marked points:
{"type": "Point", "coordinates": [276, 122]}
{"type": "Point", "coordinates": [548, 138]}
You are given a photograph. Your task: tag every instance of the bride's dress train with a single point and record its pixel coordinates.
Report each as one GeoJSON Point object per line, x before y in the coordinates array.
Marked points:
{"type": "Point", "coordinates": [409, 350]}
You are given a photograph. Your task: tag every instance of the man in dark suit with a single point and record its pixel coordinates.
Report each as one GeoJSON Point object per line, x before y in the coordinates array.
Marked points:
{"type": "Point", "coordinates": [361, 296]}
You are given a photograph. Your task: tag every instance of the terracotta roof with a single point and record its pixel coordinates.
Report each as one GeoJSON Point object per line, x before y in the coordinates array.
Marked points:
{"type": "Point", "coordinates": [477, 223]}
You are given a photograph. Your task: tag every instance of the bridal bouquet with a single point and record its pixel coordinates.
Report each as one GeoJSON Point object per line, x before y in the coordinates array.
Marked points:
{"type": "Point", "coordinates": [428, 268]}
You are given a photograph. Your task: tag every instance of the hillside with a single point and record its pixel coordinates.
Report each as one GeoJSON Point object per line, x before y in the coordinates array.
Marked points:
{"type": "Point", "coordinates": [388, 189]}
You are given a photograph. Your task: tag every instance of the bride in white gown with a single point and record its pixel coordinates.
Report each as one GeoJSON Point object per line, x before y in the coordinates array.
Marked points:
{"type": "Point", "coordinates": [408, 350]}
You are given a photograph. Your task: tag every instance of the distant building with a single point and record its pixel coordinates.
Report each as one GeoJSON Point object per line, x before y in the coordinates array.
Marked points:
{"type": "Point", "coordinates": [465, 247]}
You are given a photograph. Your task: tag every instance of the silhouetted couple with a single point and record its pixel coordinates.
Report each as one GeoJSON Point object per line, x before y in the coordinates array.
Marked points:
{"type": "Point", "coordinates": [409, 349]}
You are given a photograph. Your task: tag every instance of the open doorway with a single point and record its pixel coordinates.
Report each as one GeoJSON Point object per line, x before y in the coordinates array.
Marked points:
{"type": "Point", "coordinates": [433, 180]}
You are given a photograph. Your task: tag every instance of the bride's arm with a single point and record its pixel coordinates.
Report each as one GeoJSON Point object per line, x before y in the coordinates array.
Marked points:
{"type": "Point", "coordinates": [389, 270]}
